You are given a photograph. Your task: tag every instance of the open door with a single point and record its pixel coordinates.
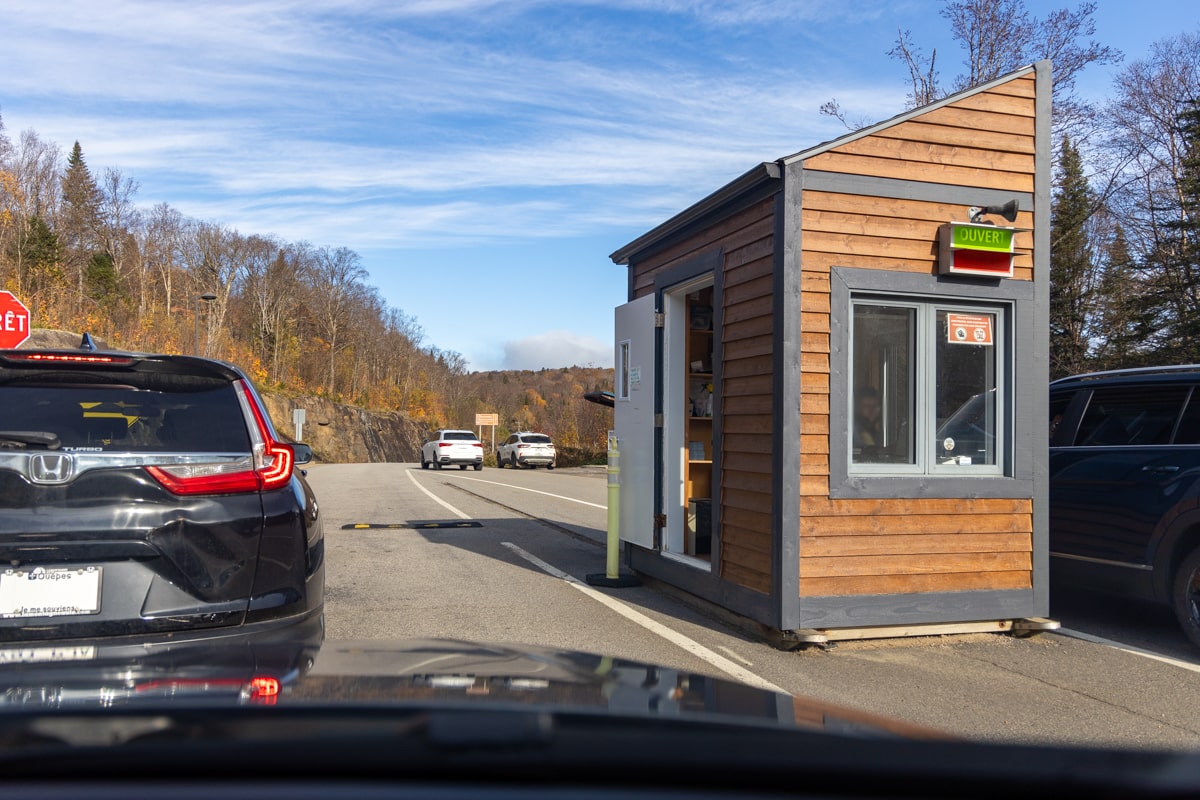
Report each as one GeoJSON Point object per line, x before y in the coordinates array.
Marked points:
{"type": "Point", "coordinates": [633, 415]}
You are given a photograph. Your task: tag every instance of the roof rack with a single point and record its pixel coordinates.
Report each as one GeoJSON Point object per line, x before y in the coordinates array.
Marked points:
{"type": "Point", "coordinates": [1111, 373]}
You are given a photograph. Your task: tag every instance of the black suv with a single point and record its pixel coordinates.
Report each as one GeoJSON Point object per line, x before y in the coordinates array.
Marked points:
{"type": "Point", "coordinates": [149, 496]}
{"type": "Point", "coordinates": [1125, 485]}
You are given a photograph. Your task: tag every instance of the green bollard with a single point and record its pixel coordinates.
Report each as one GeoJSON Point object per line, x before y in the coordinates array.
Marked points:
{"type": "Point", "coordinates": [612, 576]}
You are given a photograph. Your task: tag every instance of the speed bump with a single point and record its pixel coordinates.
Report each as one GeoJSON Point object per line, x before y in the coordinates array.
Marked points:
{"type": "Point", "coordinates": [376, 526]}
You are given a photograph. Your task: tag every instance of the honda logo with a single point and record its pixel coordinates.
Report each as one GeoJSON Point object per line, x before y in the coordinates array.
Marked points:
{"type": "Point", "coordinates": [51, 467]}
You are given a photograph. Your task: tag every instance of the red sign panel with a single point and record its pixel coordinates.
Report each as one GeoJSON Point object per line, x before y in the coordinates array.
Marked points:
{"type": "Point", "coordinates": [14, 321]}
{"type": "Point", "coordinates": [969, 329]}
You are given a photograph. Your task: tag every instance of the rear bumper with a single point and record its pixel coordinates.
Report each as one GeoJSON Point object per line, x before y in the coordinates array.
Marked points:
{"type": "Point", "coordinates": [460, 460]}
{"type": "Point", "coordinates": [307, 630]}
{"type": "Point", "coordinates": [535, 460]}
{"type": "Point", "coordinates": [228, 666]}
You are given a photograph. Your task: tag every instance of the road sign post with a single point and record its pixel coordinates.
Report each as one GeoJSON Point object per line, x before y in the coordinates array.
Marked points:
{"type": "Point", "coordinates": [488, 419]}
{"type": "Point", "coordinates": [14, 321]}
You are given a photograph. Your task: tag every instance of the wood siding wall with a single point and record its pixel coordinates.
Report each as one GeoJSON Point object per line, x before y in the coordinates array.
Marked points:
{"type": "Point", "coordinates": [746, 390]}
{"type": "Point", "coordinates": [867, 547]}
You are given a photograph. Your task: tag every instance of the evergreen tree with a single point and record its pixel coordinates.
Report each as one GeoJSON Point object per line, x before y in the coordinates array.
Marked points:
{"type": "Point", "coordinates": [1122, 327]}
{"type": "Point", "coordinates": [1072, 266]}
{"type": "Point", "coordinates": [36, 253]}
{"type": "Point", "coordinates": [79, 220]}
{"type": "Point", "coordinates": [1169, 304]}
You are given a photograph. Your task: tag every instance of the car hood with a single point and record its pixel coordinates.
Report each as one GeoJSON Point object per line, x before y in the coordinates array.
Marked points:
{"type": "Point", "coordinates": [461, 673]}
{"type": "Point", "coordinates": [416, 673]}
{"type": "Point", "coordinates": [438, 712]}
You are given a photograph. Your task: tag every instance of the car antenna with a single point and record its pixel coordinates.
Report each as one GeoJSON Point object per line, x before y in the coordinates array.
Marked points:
{"type": "Point", "coordinates": [87, 343]}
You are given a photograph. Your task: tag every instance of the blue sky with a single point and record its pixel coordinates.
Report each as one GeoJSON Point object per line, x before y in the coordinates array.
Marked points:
{"type": "Point", "coordinates": [483, 157]}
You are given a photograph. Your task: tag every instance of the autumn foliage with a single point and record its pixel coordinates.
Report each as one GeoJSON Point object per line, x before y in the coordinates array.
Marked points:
{"type": "Point", "coordinates": [297, 317]}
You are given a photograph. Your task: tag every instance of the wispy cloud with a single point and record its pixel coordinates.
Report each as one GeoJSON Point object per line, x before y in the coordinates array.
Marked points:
{"type": "Point", "coordinates": [557, 349]}
{"type": "Point", "coordinates": [478, 125]}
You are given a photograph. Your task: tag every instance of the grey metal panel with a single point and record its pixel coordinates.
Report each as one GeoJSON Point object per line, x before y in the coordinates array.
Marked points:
{"type": "Point", "coordinates": [633, 417]}
{"type": "Point", "coordinates": [785, 404]}
{"type": "Point", "coordinates": [1027, 383]}
{"type": "Point", "coordinates": [870, 611]}
{"type": "Point", "coordinates": [694, 267]}
{"type": "Point", "coordinates": [905, 117]}
{"type": "Point", "coordinates": [747, 602]}
{"type": "Point", "coordinates": [897, 189]}
{"type": "Point", "coordinates": [1039, 362]}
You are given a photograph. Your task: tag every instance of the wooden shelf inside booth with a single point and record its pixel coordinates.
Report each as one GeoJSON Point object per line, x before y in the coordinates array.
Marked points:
{"type": "Point", "coordinates": [698, 416]}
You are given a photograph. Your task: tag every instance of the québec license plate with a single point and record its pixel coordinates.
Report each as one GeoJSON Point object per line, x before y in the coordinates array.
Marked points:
{"type": "Point", "coordinates": [49, 591]}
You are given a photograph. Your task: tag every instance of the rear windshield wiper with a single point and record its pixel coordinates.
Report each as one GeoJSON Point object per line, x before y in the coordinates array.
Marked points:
{"type": "Point", "coordinates": [19, 440]}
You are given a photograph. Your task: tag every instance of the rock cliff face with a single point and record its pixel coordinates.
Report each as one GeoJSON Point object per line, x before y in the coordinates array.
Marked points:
{"type": "Point", "coordinates": [47, 339]}
{"type": "Point", "coordinates": [336, 433]}
{"type": "Point", "coordinates": [341, 434]}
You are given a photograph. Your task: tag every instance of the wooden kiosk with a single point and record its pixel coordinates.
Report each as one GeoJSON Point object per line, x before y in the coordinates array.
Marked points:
{"type": "Point", "coordinates": [832, 378]}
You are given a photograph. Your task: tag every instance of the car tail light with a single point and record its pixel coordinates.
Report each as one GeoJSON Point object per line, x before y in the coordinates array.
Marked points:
{"type": "Point", "coordinates": [71, 358]}
{"type": "Point", "coordinates": [263, 687]}
{"type": "Point", "coordinates": [269, 465]}
{"type": "Point", "coordinates": [227, 478]}
{"type": "Point", "coordinates": [445, 444]}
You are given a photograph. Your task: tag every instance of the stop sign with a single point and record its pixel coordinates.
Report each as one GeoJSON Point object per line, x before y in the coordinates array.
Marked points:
{"type": "Point", "coordinates": [14, 321]}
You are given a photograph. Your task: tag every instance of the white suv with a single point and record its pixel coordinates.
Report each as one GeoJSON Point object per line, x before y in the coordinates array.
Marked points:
{"type": "Point", "coordinates": [525, 449]}
{"type": "Point", "coordinates": [452, 447]}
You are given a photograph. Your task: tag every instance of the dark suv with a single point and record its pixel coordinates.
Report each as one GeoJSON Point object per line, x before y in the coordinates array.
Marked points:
{"type": "Point", "coordinates": [149, 496]}
{"type": "Point", "coordinates": [1125, 485]}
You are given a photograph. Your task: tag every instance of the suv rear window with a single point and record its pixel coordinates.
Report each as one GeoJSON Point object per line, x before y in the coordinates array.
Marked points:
{"type": "Point", "coordinates": [456, 436]}
{"type": "Point", "coordinates": [537, 438]}
{"type": "Point", "coordinates": [126, 419]}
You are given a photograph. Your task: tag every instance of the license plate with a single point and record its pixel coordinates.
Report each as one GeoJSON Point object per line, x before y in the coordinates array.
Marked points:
{"type": "Point", "coordinates": [49, 591]}
{"type": "Point", "coordinates": [36, 655]}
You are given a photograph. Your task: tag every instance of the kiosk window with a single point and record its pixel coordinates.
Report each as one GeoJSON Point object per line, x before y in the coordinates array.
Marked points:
{"type": "Point", "coordinates": [927, 389]}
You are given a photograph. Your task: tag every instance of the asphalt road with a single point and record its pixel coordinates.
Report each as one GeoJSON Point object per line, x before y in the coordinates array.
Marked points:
{"type": "Point", "coordinates": [412, 569]}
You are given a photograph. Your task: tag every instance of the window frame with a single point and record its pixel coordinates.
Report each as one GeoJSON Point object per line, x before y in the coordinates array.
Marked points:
{"type": "Point", "coordinates": [1024, 397]}
{"type": "Point", "coordinates": [925, 342]}
{"type": "Point", "coordinates": [623, 369]}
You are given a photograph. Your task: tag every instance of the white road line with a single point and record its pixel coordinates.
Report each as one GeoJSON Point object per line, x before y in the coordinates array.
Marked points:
{"type": "Point", "coordinates": [729, 651]}
{"type": "Point", "coordinates": [1137, 651]}
{"type": "Point", "coordinates": [435, 498]}
{"type": "Point", "coordinates": [673, 636]}
{"type": "Point", "coordinates": [535, 491]}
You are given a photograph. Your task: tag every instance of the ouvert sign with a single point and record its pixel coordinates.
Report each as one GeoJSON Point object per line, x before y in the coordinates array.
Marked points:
{"type": "Point", "coordinates": [14, 321]}
{"type": "Point", "coordinates": [971, 248]}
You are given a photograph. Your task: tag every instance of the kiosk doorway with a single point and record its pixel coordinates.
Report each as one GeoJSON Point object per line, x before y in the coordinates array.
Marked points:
{"type": "Point", "coordinates": [690, 402]}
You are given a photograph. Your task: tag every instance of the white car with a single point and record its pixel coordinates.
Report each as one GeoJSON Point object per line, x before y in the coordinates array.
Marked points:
{"type": "Point", "coordinates": [526, 449]}
{"type": "Point", "coordinates": [448, 448]}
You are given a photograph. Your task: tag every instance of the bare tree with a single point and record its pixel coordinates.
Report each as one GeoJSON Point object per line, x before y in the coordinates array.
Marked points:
{"type": "Point", "coordinates": [162, 246]}
{"type": "Point", "coordinates": [272, 286]}
{"type": "Point", "coordinates": [999, 36]}
{"type": "Point", "coordinates": [29, 192]}
{"type": "Point", "coordinates": [215, 258]}
{"type": "Point", "coordinates": [119, 220]}
{"type": "Point", "coordinates": [335, 285]}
